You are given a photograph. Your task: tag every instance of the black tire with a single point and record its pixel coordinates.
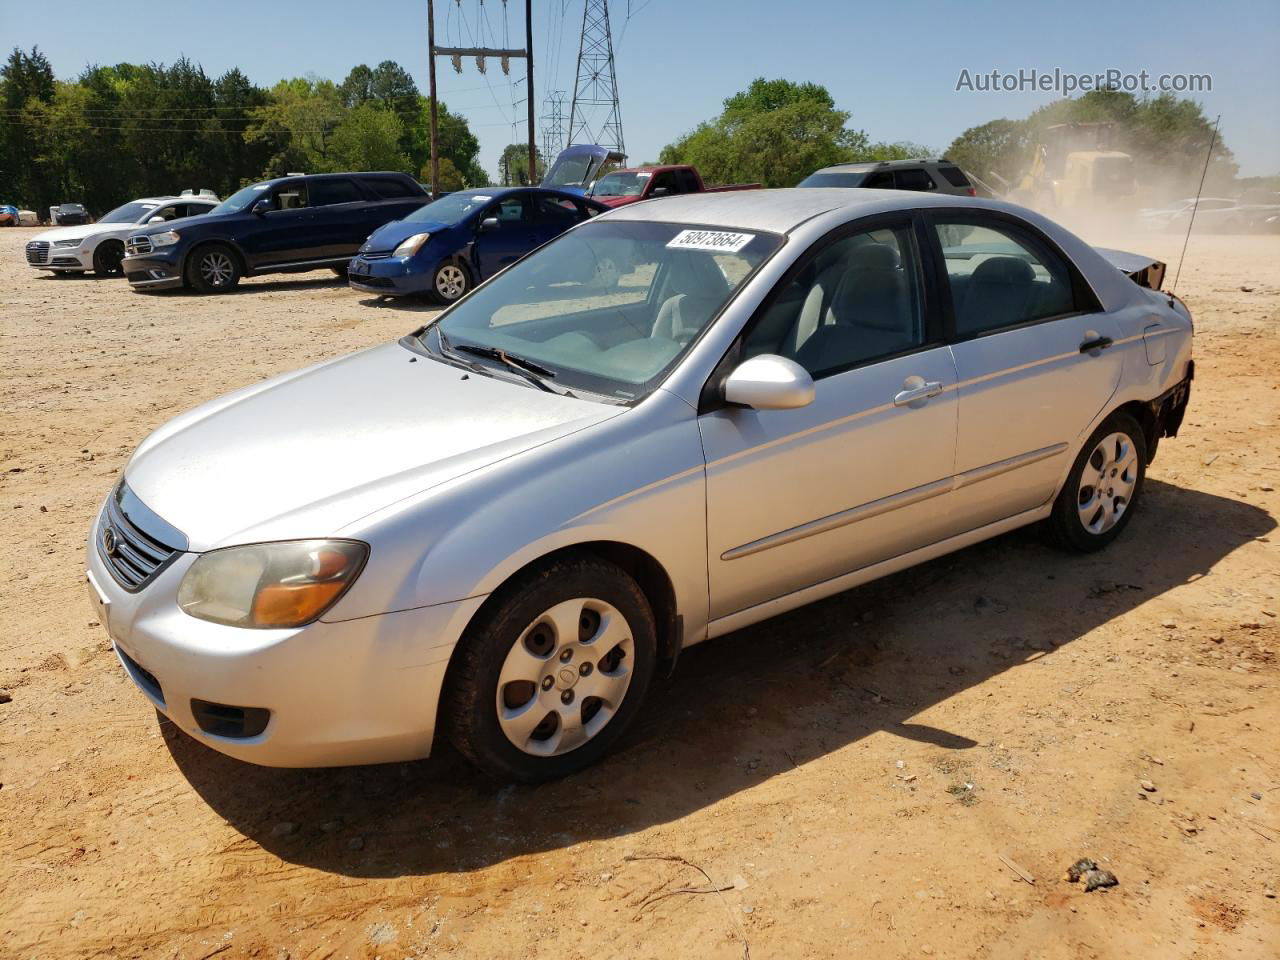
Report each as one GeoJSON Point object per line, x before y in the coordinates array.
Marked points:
{"type": "Point", "coordinates": [108, 259]}
{"type": "Point", "coordinates": [212, 268]}
{"type": "Point", "coordinates": [1121, 495]}
{"type": "Point", "coordinates": [450, 282]}
{"type": "Point", "coordinates": [340, 271]}
{"type": "Point", "coordinates": [513, 616]}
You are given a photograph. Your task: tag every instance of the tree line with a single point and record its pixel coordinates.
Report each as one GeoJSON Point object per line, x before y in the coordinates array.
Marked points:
{"type": "Point", "coordinates": [119, 132]}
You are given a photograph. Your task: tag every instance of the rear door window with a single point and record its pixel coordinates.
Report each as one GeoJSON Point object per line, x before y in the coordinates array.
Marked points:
{"type": "Point", "coordinates": [326, 193]}
{"type": "Point", "coordinates": [1001, 276]}
{"type": "Point", "coordinates": [881, 180]}
{"type": "Point", "coordinates": [554, 212]}
{"type": "Point", "coordinates": [387, 188]}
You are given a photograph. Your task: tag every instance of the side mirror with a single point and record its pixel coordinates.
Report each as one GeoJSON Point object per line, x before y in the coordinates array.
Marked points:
{"type": "Point", "coordinates": [156, 220]}
{"type": "Point", "coordinates": [659, 191]}
{"type": "Point", "coordinates": [769, 382]}
{"type": "Point", "coordinates": [489, 223]}
{"type": "Point", "coordinates": [261, 206]}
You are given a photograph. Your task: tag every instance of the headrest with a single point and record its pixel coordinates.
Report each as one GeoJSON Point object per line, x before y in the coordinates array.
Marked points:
{"type": "Point", "coordinates": [875, 256]}
{"type": "Point", "coordinates": [1004, 270]}
{"type": "Point", "coordinates": [695, 273]}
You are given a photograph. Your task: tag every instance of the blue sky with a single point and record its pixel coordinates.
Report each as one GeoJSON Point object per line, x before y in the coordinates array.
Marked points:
{"type": "Point", "coordinates": [894, 66]}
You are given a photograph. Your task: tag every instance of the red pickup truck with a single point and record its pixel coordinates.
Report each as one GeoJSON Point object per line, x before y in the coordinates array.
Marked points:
{"type": "Point", "coordinates": [621, 187]}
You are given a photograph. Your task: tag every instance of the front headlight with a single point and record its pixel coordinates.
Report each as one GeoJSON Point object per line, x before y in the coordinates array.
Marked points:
{"type": "Point", "coordinates": [411, 246]}
{"type": "Point", "coordinates": [166, 239]}
{"type": "Point", "coordinates": [68, 243]}
{"type": "Point", "coordinates": [271, 584]}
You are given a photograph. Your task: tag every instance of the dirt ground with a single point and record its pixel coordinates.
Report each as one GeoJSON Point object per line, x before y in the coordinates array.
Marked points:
{"type": "Point", "coordinates": [865, 777]}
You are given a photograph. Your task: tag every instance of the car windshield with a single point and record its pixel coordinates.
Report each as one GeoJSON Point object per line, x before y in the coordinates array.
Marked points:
{"type": "Point", "coordinates": [833, 180]}
{"type": "Point", "coordinates": [450, 209]}
{"type": "Point", "coordinates": [611, 306]}
{"type": "Point", "coordinates": [242, 198]}
{"type": "Point", "coordinates": [129, 213]}
{"type": "Point", "coordinates": [621, 184]}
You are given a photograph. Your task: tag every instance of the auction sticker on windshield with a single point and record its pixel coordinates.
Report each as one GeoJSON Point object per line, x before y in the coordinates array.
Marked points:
{"type": "Point", "coordinates": [717, 240]}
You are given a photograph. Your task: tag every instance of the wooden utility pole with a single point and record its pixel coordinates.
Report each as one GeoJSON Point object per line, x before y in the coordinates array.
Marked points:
{"type": "Point", "coordinates": [480, 53]}
{"type": "Point", "coordinates": [528, 46]}
{"type": "Point", "coordinates": [431, 72]}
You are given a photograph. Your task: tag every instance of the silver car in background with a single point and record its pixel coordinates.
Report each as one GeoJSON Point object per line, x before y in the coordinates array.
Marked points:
{"type": "Point", "coordinates": [675, 420]}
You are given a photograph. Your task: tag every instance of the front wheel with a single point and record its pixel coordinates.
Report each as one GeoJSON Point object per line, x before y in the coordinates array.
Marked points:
{"type": "Point", "coordinates": [108, 259]}
{"type": "Point", "coordinates": [1103, 488]}
{"type": "Point", "coordinates": [213, 269]}
{"type": "Point", "coordinates": [552, 674]}
{"type": "Point", "coordinates": [450, 282]}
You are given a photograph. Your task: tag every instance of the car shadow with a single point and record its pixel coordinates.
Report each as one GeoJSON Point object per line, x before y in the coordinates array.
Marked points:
{"type": "Point", "coordinates": [742, 708]}
{"type": "Point", "coordinates": [407, 304]}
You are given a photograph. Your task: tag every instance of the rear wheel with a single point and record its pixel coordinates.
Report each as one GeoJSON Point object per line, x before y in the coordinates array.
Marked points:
{"type": "Point", "coordinates": [552, 674]}
{"type": "Point", "coordinates": [450, 282]}
{"type": "Point", "coordinates": [1103, 488]}
{"type": "Point", "coordinates": [108, 259]}
{"type": "Point", "coordinates": [213, 269]}
{"type": "Point", "coordinates": [340, 271]}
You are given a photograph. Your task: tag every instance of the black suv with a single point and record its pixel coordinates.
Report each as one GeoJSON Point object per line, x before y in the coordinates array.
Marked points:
{"type": "Point", "coordinates": [288, 225]}
{"type": "Point", "coordinates": [942, 176]}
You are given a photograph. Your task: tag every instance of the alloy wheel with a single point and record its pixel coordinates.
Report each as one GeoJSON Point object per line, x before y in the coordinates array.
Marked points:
{"type": "Point", "coordinates": [1107, 483]}
{"type": "Point", "coordinates": [216, 268]}
{"type": "Point", "coordinates": [451, 282]}
{"type": "Point", "coordinates": [566, 677]}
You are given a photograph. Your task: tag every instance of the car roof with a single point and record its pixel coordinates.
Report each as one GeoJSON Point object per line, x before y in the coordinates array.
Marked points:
{"type": "Point", "coordinates": [867, 166]}
{"type": "Point", "coordinates": [776, 211]}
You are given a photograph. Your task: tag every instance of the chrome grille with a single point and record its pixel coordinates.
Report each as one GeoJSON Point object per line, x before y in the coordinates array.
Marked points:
{"type": "Point", "coordinates": [37, 251]}
{"type": "Point", "coordinates": [133, 556]}
{"type": "Point", "coordinates": [137, 245]}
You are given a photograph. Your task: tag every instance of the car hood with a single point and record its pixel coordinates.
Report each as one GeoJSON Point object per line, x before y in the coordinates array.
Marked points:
{"type": "Point", "coordinates": [616, 201]}
{"type": "Point", "coordinates": [391, 235]}
{"type": "Point", "coordinates": [74, 233]}
{"type": "Point", "coordinates": [307, 453]}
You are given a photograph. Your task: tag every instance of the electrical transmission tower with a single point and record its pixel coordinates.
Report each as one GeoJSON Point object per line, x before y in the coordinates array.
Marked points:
{"type": "Point", "coordinates": [594, 114]}
{"type": "Point", "coordinates": [553, 124]}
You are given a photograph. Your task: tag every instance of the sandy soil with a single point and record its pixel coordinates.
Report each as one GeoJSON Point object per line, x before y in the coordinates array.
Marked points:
{"type": "Point", "coordinates": [849, 776]}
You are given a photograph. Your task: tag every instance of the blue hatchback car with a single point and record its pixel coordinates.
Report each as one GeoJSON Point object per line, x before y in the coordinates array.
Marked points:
{"type": "Point", "coordinates": [449, 246]}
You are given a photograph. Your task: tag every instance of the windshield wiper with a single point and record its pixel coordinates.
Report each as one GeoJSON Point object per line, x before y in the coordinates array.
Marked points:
{"type": "Point", "coordinates": [533, 372]}
{"type": "Point", "coordinates": [510, 359]}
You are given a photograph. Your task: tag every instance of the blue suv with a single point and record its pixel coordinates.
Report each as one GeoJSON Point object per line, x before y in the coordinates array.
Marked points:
{"type": "Point", "coordinates": [287, 225]}
{"type": "Point", "coordinates": [447, 247]}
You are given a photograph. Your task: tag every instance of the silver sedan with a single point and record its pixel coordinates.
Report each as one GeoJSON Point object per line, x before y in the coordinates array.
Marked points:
{"type": "Point", "coordinates": [676, 420]}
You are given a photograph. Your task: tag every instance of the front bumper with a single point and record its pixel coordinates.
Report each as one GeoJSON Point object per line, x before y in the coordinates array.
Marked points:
{"type": "Point", "coordinates": [158, 270]}
{"type": "Point", "coordinates": [388, 276]}
{"type": "Point", "coordinates": [334, 693]}
{"type": "Point", "coordinates": [59, 258]}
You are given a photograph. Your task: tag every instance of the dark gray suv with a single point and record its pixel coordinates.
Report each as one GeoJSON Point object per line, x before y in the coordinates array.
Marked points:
{"type": "Point", "coordinates": [940, 176]}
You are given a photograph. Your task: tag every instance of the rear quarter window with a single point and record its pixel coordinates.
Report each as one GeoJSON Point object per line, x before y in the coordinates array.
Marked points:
{"type": "Point", "coordinates": [955, 176]}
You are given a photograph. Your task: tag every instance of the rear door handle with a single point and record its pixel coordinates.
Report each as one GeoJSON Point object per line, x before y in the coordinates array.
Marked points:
{"type": "Point", "coordinates": [915, 389]}
{"type": "Point", "coordinates": [1096, 343]}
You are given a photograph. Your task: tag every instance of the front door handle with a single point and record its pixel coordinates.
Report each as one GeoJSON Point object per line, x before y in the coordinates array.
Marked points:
{"type": "Point", "coordinates": [916, 389]}
{"type": "Point", "coordinates": [1095, 342]}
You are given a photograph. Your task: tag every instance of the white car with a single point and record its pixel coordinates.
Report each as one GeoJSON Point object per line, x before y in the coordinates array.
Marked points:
{"type": "Point", "coordinates": [100, 246]}
{"type": "Point", "coordinates": [677, 419]}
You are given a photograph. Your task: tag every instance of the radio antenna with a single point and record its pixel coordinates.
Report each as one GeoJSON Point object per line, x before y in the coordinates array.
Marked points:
{"type": "Point", "coordinates": [1195, 206]}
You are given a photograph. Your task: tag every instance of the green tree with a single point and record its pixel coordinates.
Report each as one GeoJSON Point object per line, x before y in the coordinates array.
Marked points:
{"type": "Point", "coordinates": [298, 123]}
{"type": "Point", "coordinates": [995, 151]}
{"type": "Point", "coordinates": [368, 138]}
{"type": "Point", "coordinates": [513, 166]}
{"type": "Point", "coordinates": [775, 132]}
